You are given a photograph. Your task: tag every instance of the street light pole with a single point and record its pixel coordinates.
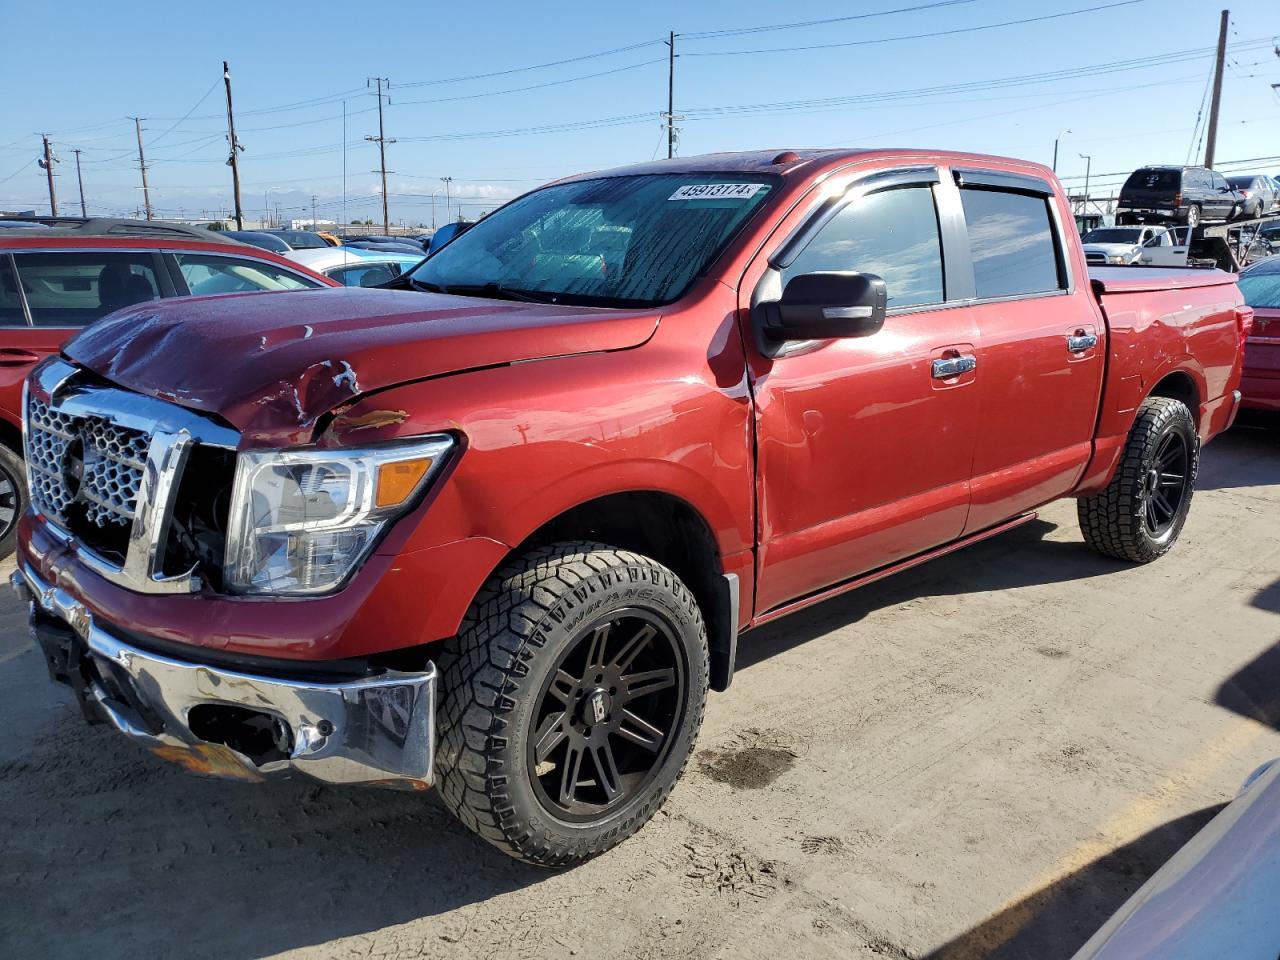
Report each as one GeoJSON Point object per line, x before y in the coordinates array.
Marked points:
{"type": "Point", "coordinates": [1061, 134]}
{"type": "Point", "coordinates": [1088, 166]}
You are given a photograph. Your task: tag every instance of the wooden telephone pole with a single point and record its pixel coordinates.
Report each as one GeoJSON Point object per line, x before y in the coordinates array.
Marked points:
{"type": "Point", "coordinates": [671, 95]}
{"type": "Point", "coordinates": [48, 163]}
{"type": "Point", "coordinates": [80, 180]}
{"type": "Point", "coordinates": [382, 141]}
{"type": "Point", "coordinates": [142, 165]}
{"type": "Point", "coordinates": [235, 147]}
{"type": "Point", "coordinates": [1217, 90]}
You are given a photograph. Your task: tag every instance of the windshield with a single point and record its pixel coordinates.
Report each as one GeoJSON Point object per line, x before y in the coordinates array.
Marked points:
{"type": "Point", "coordinates": [620, 241]}
{"type": "Point", "coordinates": [1112, 235]}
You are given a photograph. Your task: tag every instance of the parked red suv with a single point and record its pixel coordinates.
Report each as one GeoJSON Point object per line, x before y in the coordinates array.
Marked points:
{"type": "Point", "coordinates": [56, 279]}
{"type": "Point", "coordinates": [499, 530]}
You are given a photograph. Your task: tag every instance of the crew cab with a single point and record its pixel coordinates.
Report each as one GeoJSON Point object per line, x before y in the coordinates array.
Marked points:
{"type": "Point", "coordinates": [500, 529]}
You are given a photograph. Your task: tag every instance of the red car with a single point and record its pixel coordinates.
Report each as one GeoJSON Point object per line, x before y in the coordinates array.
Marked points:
{"type": "Point", "coordinates": [56, 280]}
{"type": "Point", "coordinates": [1260, 284]}
{"type": "Point", "coordinates": [499, 530]}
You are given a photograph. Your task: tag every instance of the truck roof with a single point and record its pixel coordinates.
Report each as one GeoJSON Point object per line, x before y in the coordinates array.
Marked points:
{"type": "Point", "coordinates": [800, 161]}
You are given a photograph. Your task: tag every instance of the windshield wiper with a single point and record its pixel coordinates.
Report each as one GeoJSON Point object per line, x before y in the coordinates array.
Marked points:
{"type": "Point", "coordinates": [426, 285]}
{"type": "Point", "coordinates": [498, 291]}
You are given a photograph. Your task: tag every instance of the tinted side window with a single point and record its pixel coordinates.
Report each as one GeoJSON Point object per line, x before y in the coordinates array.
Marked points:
{"type": "Point", "coordinates": [1011, 241]}
{"type": "Point", "coordinates": [1219, 182]}
{"type": "Point", "coordinates": [209, 275]}
{"type": "Point", "coordinates": [893, 234]}
{"type": "Point", "coordinates": [75, 289]}
{"type": "Point", "coordinates": [11, 314]}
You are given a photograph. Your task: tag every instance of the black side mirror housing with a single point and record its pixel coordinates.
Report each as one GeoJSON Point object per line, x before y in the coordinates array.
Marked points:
{"type": "Point", "coordinates": [825, 306]}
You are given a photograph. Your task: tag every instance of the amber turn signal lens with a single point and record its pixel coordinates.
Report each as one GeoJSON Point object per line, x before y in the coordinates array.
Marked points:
{"type": "Point", "coordinates": [396, 481]}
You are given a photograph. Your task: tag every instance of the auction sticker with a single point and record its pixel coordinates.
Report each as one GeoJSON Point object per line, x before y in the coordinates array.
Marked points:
{"type": "Point", "coordinates": [717, 191]}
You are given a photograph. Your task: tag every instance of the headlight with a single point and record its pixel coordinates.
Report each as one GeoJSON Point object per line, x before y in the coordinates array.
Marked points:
{"type": "Point", "coordinates": [302, 520]}
{"type": "Point", "coordinates": [1118, 259]}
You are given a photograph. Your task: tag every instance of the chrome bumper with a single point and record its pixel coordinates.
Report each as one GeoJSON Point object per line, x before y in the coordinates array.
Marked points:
{"type": "Point", "coordinates": [376, 730]}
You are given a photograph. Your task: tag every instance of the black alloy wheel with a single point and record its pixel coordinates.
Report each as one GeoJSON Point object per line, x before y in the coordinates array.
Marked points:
{"type": "Point", "coordinates": [1167, 482]}
{"type": "Point", "coordinates": [604, 718]}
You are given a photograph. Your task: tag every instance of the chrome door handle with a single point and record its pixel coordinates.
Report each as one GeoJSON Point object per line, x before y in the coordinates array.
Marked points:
{"type": "Point", "coordinates": [1081, 343]}
{"type": "Point", "coordinates": [947, 367]}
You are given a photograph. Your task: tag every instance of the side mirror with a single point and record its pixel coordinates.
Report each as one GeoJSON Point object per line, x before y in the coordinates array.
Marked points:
{"type": "Point", "coordinates": [824, 306]}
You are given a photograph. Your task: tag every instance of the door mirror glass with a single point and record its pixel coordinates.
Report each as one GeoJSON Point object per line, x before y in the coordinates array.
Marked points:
{"type": "Point", "coordinates": [824, 306]}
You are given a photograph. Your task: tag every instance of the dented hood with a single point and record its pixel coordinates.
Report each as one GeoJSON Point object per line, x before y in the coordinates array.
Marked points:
{"type": "Point", "coordinates": [271, 363]}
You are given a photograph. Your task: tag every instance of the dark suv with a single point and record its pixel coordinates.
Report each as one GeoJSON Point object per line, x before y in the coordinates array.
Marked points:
{"type": "Point", "coordinates": [1176, 195]}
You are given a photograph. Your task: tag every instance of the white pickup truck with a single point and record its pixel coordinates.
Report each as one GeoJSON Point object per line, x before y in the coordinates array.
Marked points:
{"type": "Point", "coordinates": [1148, 245]}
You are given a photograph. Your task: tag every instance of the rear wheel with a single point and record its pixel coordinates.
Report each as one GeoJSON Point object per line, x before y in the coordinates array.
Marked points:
{"type": "Point", "coordinates": [13, 498]}
{"type": "Point", "coordinates": [1140, 514]}
{"type": "Point", "coordinates": [1193, 215]}
{"type": "Point", "coordinates": [570, 701]}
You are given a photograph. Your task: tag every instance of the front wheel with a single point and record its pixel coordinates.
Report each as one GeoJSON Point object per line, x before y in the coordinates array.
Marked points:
{"type": "Point", "coordinates": [1141, 512]}
{"type": "Point", "coordinates": [570, 701]}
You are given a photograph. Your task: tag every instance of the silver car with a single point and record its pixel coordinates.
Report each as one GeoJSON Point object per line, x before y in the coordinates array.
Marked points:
{"type": "Point", "coordinates": [1219, 896]}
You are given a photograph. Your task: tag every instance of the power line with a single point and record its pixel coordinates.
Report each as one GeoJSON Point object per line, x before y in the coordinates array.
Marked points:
{"type": "Point", "coordinates": [916, 36]}
{"type": "Point", "coordinates": [739, 31]}
{"type": "Point", "coordinates": [537, 66]}
{"type": "Point", "coordinates": [534, 86]}
{"type": "Point", "coordinates": [182, 119]}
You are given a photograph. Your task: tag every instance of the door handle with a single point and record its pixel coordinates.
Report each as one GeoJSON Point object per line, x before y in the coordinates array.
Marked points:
{"type": "Point", "coordinates": [1081, 342]}
{"type": "Point", "coordinates": [11, 357]}
{"type": "Point", "coordinates": [945, 368]}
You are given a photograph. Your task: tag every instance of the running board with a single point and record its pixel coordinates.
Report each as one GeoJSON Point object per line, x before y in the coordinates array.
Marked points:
{"type": "Point", "coordinates": [815, 598]}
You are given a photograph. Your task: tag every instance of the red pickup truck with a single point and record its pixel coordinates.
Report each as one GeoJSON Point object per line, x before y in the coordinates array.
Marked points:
{"type": "Point", "coordinates": [499, 530]}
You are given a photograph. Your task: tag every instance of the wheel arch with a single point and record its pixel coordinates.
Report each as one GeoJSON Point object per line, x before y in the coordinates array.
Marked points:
{"type": "Point", "coordinates": [669, 529]}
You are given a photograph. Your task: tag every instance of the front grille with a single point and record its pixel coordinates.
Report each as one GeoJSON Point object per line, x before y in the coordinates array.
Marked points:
{"type": "Point", "coordinates": [1095, 258]}
{"type": "Point", "coordinates": [84, 470]}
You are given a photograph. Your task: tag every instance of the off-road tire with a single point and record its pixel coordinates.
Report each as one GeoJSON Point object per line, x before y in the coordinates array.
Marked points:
{"type": "Point", "coordinates": [491, 674]}
{"type": "Point", "coordinates": [14, 472]}
{"type": "Point", "coordinates": [1114, 521]}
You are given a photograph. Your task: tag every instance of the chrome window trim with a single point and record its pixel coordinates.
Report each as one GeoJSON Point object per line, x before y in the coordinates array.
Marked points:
{"type": "Point", "coordinates": [173, 431]}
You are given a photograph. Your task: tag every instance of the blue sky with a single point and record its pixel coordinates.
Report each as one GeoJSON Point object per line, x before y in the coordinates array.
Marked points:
{"type": "Point", "coordinates": [294, 65]}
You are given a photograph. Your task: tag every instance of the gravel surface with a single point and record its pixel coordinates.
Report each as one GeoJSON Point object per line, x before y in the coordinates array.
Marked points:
{"type": "Point", "coordinates": [983, 756]}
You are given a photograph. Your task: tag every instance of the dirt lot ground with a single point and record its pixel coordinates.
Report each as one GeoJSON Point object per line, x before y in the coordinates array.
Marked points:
{"type": "Point", "coordinates": [980, 757]}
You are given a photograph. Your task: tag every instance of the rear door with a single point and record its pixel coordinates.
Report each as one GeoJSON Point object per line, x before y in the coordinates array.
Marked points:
{"type": "Point", "coordinates": [864, 444]}
{"type": "Point", "coordinates": [46, 296]}
{"type": "Point", "coordinates": [1040, 364]}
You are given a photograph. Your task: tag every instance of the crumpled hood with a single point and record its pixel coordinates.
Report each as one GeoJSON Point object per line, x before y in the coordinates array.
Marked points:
{"type": "Point", "coordinates": [271, 363]}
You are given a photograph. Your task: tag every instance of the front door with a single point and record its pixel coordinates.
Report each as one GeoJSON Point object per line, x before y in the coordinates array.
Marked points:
{"type": "Point", "coordinates": [864, 444]}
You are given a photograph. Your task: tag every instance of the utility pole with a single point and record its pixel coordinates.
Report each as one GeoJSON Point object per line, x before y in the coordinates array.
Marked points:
{"type": "Point", "coordinates": [313, 212]}
{"type": "Point", "coordinates": [446, 181]}
{"type": "Point", "coordinates": [671, 95]}
{"type": "Point", "coordinates": [235, 145]}
{"type": "Point", "coordinates": [142, 165]}
{"type": "Point", "coordinates": [433, 211]}
{"type": "Point", "coordinates": [80, 180]}
{"type": "Point", "coordinates": [382, 141]}
{"type": "Point", "coordinates": [344, 166]}
{"type": "Point", "coordinates": [1217, 89]}
{"type": "Point", "coordinates": [48, 163]}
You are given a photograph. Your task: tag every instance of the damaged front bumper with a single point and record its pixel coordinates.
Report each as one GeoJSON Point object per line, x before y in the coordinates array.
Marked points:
{"type": "Point", "coordinates": [226, 723]}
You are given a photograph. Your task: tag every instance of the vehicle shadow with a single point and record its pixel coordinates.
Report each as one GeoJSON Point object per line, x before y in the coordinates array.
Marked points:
{"type": "Point", "coordinates": [1055, 921]}
{"type": "Point", "coordinates": [1019, 558]}
{"type": "Point", "coordinates": [107, 852]}
{"type": "Point", "coordinates": [1247, 455]}
{"type": "Point", "coordinates": [1253, 691]}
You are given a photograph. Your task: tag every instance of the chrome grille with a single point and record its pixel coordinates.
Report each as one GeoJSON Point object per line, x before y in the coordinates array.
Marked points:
{"type": "Point", "coordinates": [106, 459]}
{"type": "Point", "coordinates": [1095, 258]}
